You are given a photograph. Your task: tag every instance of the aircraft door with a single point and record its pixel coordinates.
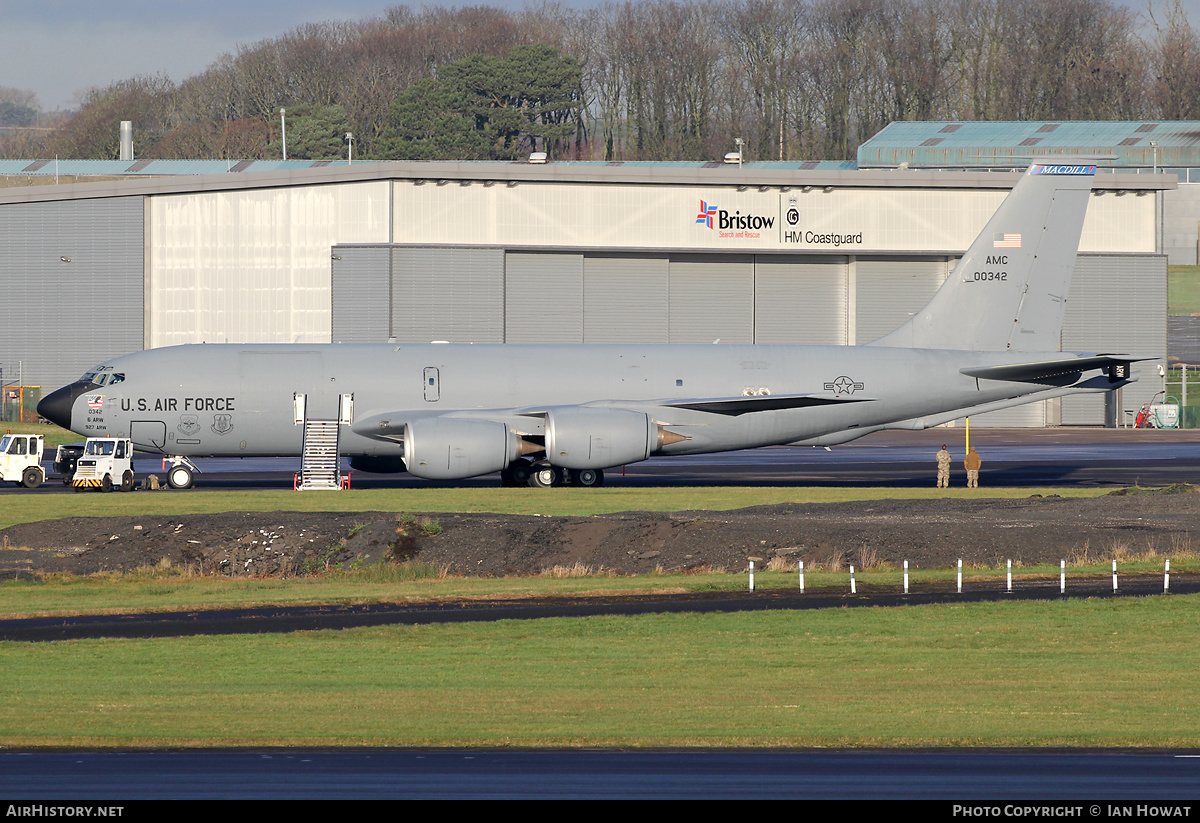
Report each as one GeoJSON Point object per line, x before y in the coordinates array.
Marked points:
{"type": "Point", "coordinates": [433, 389]}
{"type": "Point", "coordinates": [148, 434]}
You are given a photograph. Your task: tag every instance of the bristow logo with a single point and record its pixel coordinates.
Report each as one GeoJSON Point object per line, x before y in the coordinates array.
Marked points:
{"type": "Point", "coordinates": [737, 220]}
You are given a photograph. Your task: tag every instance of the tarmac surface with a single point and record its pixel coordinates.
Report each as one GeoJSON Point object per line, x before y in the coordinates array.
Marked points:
{"type": "Point", "coordinates": [1022, 458]}
{"type": "Point", "coordinates": [951, 784]}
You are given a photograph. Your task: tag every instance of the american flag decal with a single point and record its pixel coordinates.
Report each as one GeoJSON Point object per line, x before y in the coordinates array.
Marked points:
{"type": "Point", "coordinates": [1008, 240]}
{"type": "Point", "coordinates": [96, 402]}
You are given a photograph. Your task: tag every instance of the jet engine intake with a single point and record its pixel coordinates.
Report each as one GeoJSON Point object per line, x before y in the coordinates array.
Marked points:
{"type": "Point", "coordinates": [450, 448]}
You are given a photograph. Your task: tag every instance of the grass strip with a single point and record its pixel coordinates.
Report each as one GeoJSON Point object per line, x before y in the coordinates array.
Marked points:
{"type": "Point", "coordinates": [1115, 672]}
{"type": "Point", "coordinates": [1183, 290]}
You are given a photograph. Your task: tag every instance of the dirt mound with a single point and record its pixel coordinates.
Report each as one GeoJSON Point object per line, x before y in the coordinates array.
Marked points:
{"type": "Point", "coordinates": [927, 533]}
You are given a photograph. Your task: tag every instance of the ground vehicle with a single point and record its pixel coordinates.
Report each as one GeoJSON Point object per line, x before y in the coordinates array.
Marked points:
{"type": "Point", "coordinates": [107, 462]}
{"type": "Point", "coordinates": [21, 459]}
{"type": "Point", "coordinates": [65, 459]}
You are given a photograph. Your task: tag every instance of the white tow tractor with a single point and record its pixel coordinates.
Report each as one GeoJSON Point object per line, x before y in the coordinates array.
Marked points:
{"type": "Point", "coordinates": [106, 463]}
{"type": "Point", "coordinates": [21, 459]}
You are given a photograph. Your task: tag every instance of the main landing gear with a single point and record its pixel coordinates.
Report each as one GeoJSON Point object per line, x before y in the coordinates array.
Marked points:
{"type": "Point", "coordinates": [182, 470]}
{"type": "Point", "coordinates": [545, 476]}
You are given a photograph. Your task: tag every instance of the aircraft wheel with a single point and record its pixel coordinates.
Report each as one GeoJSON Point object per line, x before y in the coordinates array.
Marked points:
{"type": "Point", "coordinates": [515, 474]}
{"type": "Point", "coordinates": [179, 477]}
{"type": "Point", "coordinates": [543, 477]}
{"type": "Point", "coordinates": [127, 481]}
{"type": "Point", "coordinates": [587, 478]}
{"type": "Point", "coordinates": [519, 472]}
{"type": "Point", "coordinates": [31, 478]}
{"type": "Point", "coordinates": [106, 485]}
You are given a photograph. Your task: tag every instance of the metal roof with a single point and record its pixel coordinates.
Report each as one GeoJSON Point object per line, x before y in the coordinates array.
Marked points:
{"type": "Point", "coordinates": [121, 168]}
{"type": "Point", "coordinates": [750, 175]}
{"type": "Point", "coordinates": [160, 168]}
{"type": "Point", "coordinates": [977, 144]}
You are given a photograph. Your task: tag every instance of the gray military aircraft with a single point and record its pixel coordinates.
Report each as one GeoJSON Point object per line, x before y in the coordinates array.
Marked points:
{"type": "Point", "coordinates": [546, 415]}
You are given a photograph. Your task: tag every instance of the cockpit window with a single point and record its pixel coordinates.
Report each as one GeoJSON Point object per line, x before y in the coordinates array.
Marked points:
{"type": "Point", "coordinates": [102, 378]}
{"type": "Point", "coordinates": [101, 447]}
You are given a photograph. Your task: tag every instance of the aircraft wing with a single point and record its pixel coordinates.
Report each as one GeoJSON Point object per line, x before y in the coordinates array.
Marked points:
{"type": "Point", "coordinates": [1057, 371]}
{"type": "Point", "coordinates": [390, 425]}
{"type": "Point", "coordinates": [734, 406]}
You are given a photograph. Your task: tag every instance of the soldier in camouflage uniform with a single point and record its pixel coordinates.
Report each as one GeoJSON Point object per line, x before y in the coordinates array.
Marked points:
{"type": "Point", "coordinates": [943, 464]}
{"type": "Point", "coordinates": [972, 465]}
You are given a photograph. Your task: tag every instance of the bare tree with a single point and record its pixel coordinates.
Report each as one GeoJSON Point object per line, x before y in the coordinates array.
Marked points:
{"type": "Point", "coordinates": [762, 37]}
{"type": "Point", "coordinates": [1176, 72]}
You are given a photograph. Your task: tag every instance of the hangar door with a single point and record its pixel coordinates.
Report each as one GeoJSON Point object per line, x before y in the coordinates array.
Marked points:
{"type": "Point", "coordinates": [1118, 303]}
{"type": "Point", "coordinates": [453, 294]}
{"type": "Point", "coordinates": [712, 297]}
{"type": "Point", "coordinates": [361, 292]}
{"type": "Point", "coordinates": [888, 292]}
{"type": "Point", "coordinates": [800, 300]}
{"type": "Point", "coordinates": [543, 297]}
{"type": "Point", "coordinates": [417, 294]}
{"type": "Point", "coordinates": [625, 298]}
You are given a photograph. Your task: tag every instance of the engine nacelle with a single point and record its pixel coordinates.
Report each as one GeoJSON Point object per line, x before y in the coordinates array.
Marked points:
{"type": "Point", "coordinates": [451, 448]}
{"type": "Point", "coordinates": [598, 438]}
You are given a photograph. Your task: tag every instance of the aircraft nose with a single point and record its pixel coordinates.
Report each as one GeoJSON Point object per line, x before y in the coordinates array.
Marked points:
{"type": "Point", "coordinates": [56, 406]}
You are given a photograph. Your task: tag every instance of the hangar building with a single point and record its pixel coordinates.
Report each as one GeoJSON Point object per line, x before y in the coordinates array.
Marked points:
{"type": "Point", "coordinates": [801, 253]}
{"type": "Point", "coordinates": [1137, 147]}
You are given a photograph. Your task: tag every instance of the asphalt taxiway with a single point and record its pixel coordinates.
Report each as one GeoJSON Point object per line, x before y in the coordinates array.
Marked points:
{"type": "Point", "coordinates": [954, 784]}
{"type": "Point", "coordinates": [1023, 458]}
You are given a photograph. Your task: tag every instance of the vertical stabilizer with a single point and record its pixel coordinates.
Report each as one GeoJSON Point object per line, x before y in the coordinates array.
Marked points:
{"type": "Point", "coordinates": [1009, 291]}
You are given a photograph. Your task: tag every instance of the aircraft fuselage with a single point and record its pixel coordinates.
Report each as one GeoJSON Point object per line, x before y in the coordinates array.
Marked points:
{"type": "Point", "coordinates": [237, 400]}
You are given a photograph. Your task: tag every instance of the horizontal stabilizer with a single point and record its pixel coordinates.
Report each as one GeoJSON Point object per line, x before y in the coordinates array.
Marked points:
{"type": "Point", "coordinates": [1059, 370]}
{"type": "Point", "coordinates": [745, 405]}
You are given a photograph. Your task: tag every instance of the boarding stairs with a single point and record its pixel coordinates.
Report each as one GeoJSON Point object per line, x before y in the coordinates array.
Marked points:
{"type": "Point", "coordinates": [320, 463]}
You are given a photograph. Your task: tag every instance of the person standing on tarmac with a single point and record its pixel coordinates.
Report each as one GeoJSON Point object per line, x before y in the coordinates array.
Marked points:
{"type": "Point", "coordinates": [972, 463]}
{"type": "Point", "coordinates": [943, 464]}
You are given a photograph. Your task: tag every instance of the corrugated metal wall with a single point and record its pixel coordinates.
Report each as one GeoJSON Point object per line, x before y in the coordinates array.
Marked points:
{"type": "Point", "coordinates": [625, 297]}
{"type": "Point", "coordinates": [490, 295]}
{"type": "Point", "coordinates": [800, 301]}
{"type": "Point", "coordinates": [361, 293]}
{"type": "Point", "coordinates": [543, 297]}
{"type": "Point", "coordinates": [712, 298]}
{"type": "Point", "coordinates": [888, 292]}
{"type": "Point", "coordinates": [1117, 303]}
{"type": "Point", "coordinates": [418, 294]}
{"type": "Point", "coordinates": [64, 262]}
{"type": "Point", "coordinates": [448, 294]}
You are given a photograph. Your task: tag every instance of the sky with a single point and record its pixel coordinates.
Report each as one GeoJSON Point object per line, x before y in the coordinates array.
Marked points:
{"type": "Point", "coordinates": [59, 48]}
